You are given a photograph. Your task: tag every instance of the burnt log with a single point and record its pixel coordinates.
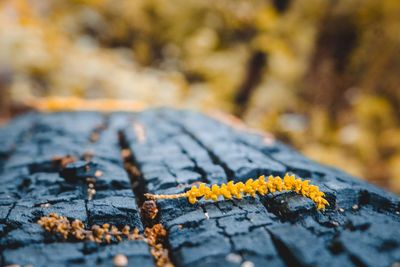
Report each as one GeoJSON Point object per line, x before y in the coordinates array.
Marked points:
{"type": "Point", "coordinates": [165, 151]}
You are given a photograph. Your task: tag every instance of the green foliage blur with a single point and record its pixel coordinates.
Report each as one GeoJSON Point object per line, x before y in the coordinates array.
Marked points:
{"type": "Point", "coordinates": [321, 75]}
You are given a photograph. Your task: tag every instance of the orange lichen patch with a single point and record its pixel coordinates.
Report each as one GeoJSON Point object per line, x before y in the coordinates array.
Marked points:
{"type": "Point", "coordinates": [63, 161]}
{"type": "Point", "coordinates": [98, 173]}
{"type": "Point", "coordinates": [153, 236]}
{"type": "Point", "coordinates": [126, 153]}
{"type": "Point", "coordinates": [139, 132]}
{"type": "Point", "coordinates": [251, 188]}
{"type": "Point", "coordinates": [129, 166]}
{"type": "Point", "coordinates": [61, 226]}
{"type": "Point", "coordinates": [48, 104]}
{"type": "Point", "coordinates": [149, 209]}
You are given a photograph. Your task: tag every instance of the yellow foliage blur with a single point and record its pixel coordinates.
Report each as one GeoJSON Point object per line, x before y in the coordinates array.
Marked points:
{"type": "Point", "coordinates": [320, 75]}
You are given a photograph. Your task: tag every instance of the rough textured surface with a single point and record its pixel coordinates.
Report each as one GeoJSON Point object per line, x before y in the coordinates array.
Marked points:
{"type": "Point", "coordinates": [172, 150]}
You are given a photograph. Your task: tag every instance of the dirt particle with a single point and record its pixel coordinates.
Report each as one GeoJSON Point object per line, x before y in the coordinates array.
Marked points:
{"type": "Point", "coordinates": [87, 156]}
{"type": "Point", "coordinates": [247, 264]}
{"type": "Point", "coordinates": [334, 223]}
{"type": "Point", "coordinates": [120, 260]}
{"type": "Point", "coordinates": [140, 132]}
{"type": "Point", "coordinates": [234, 258]}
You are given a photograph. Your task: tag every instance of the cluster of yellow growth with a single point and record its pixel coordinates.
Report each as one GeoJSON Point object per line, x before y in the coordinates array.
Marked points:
{"type": "Point", "coordinates": [153, 236]}
{"type": "Point", "coordinates": [57, 224]}
{"type": "Point", "coordinates": [252, 187]}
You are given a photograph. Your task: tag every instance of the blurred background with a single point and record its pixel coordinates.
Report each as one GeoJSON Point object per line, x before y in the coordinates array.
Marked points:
{"type": "Point", "coordinates": [323, 76]}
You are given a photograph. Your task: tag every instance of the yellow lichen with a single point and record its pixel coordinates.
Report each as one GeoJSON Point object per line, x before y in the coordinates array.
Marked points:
{"type": "Point", "coordinates": [154, 236]}
{"type": "Point", "coordinates": [252, 187]}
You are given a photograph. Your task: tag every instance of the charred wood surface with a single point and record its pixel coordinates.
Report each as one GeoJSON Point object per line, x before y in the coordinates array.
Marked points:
{"type": "Point", "coordinates": [46, 160]}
